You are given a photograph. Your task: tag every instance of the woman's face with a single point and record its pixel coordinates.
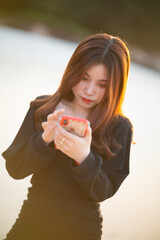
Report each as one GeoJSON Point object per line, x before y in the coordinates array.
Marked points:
{"type": "Point", "coordinates": [91, 89]}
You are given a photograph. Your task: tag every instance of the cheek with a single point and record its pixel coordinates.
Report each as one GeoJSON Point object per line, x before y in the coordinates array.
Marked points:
{"type": "Point", "coordinates": [101, 94]}
{"type": "Point", "coordinates": [77, 88]}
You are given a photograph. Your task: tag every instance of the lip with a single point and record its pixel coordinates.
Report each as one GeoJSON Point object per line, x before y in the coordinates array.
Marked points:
{"type": "Point", "coordinates": [86, 100]}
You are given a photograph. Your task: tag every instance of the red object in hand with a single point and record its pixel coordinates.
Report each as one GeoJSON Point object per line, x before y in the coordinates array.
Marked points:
{"type": "Point", "coordinates": [77, 126]}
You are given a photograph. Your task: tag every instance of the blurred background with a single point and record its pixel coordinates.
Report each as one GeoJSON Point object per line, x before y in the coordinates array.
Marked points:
{"type": "Point", "coordinates": [37, 39]}
{"type": "Point", "coordinates": [137, 21]}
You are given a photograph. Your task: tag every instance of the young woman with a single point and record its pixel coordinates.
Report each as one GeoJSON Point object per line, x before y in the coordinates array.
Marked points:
{"type": "Point", "coordinates": [72, 174]}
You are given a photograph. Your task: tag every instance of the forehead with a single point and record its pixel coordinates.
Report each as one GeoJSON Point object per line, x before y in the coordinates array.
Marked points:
{"type": "Point", "coordinates": [97, 70]}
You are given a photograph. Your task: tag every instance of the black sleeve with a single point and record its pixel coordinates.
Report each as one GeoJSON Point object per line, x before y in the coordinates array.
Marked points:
{"type": "Point", "coordinates": [28, 153]}
{"type": "Point", "coordinates": [100, 178]}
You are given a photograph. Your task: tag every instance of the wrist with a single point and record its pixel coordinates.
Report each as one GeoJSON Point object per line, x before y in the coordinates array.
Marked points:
{"type": "Point", "coordinates": [81, 159]}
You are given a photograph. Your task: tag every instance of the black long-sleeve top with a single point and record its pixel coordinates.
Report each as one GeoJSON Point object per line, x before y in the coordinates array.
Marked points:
{"type": "Point", "coordinates": [55, 175]}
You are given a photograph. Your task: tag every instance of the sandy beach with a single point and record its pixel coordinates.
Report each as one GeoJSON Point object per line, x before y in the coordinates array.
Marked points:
{"type": "Point", "coordinates": [32, 65]}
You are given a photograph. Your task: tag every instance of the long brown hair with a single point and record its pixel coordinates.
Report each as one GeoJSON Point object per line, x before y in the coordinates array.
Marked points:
{"type": "Point", "coordinates": [113, 53]}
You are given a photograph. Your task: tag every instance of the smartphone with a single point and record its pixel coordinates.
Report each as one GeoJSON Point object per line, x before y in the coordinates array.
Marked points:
{"type": "Point", "coordinates": [77, 126]}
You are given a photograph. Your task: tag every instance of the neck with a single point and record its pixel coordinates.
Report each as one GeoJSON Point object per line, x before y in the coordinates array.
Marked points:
{"type": "Point", "coordinates": [78, 111]}
{"type": "Point", "coordinates": [73, 109]}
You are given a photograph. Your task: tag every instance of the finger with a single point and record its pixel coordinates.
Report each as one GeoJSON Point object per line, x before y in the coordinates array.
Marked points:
{"type": "Point", "coordinates": [59, 140]}
{"type": "Point", "coordinates": [55, 114]}
{"type": "Point", "coordinates": [58, 112]}
{"type": "Point", "coordinates": [58, 135]}
{"type": "Point", "coordinates": [63, 132]}
{"type": "Point", "coordinates": [89, 132]}
{"type": "Point", "coordinates": [50, 117]}
{"type": "Point", "coordinates": [44, 124]}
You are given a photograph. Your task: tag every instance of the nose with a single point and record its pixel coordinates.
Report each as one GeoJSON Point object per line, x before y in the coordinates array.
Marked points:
{"type": "Point", "coordinates": [89, 89]}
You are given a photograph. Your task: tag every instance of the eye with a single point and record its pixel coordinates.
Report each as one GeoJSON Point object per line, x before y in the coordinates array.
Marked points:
{"type": "Point", "coordinates": [85, 79]}
{"type": "Point", "coordinates": [103, 85]}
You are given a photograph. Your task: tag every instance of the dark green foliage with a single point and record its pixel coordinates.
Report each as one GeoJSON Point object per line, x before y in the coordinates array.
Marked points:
{"type": "Point", "coordinates": [136, 21]}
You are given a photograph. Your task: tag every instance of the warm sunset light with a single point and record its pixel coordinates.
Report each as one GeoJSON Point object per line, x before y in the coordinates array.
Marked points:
{"type": "Point", "coordinates": [32, 65]}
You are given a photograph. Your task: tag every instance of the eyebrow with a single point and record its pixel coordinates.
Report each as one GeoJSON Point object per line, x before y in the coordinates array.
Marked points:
{"type": "Point", "coordinates": [103, 80]}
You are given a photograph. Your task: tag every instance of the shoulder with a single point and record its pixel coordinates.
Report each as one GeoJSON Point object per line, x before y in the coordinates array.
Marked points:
{"type": "Point", "coordinates": [123, 121]}
{"type": "Point", "coordinates": [122, 126]}
{"type": "Point", "coordinates": [42, 97]}
{"type": "Point", "coordinates": [39, 101]}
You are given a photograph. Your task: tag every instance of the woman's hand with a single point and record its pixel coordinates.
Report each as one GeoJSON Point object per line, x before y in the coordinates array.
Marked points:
{"type": "Point", "coordinates": [50, 125]}
{"type": "Point", "coordinates": [75, 147]}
